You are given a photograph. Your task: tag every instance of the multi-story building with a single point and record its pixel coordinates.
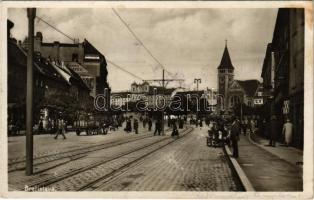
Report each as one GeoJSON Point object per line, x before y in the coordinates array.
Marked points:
{"type": "Point", "coordinates": [54, 86]}
{"type": "Point", "coordinates": [283, 70]}
{"type": "Point", "coordinates": [83, 58]}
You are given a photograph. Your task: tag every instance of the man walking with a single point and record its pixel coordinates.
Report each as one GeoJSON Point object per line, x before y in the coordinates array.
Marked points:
{"type": "Point", "coordinates": [234, 136]}
{"type": "Point", "coordinates": [244, 126]}
{"type": "Point", "coordinates": [61, 128]}
{"type": "Point", "coordinates": [273, 130]}
{"type": "Point", "coordinates": [287, 132]}
{"type": "Point", "coordinates": [150, 124]}
{"type": "Point", "coordinates": [135, 126]}
{"type": "Point", "coordinates": [157, 127]}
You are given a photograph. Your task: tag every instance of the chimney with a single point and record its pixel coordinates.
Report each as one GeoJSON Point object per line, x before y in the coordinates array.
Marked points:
{"type": "Point", "coordinates": [9, 26]}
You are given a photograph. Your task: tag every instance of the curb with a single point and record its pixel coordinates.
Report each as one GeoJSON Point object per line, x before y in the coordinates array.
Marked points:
{"type": "Point", "coordinates": [240, 173]}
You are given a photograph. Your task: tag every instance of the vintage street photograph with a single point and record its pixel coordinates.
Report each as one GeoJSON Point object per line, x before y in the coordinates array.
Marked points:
{"type": "Point", "coordinates": [156, 99]}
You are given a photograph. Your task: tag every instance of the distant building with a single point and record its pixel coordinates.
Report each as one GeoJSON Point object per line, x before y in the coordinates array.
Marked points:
{"type": "Point", "coordinates": [83, 58]}
{"type": "Point", "coordinates": [233, 92]}
{"type": "Point", "coordinates": [225, 79]}
{"type": "Point", "coordinates": [283, 71]}
{"type": "Point", "coordinates": [143, 92]}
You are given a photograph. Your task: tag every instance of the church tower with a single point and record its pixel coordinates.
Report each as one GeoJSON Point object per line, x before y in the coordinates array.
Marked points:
{"type": "Point", "coordinates": [225, 75]}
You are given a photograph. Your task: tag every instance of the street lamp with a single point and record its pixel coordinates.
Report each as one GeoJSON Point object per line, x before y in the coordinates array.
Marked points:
{"type": "Point", "coordinates": [197, 81]}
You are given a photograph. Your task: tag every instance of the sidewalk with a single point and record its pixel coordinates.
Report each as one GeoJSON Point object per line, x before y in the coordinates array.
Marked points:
{"type": "Point", "coordinates": [270, 168]}
{"type": "Point", "coordinates": [289, 154]}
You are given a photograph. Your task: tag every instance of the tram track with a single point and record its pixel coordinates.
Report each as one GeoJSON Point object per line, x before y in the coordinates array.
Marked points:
{"type": "Point", "coordinates": [118, 172]}
{"type": "Point", "coordinates": [70, 155]}
{"type": "Point", "coordinates": [143, 151]}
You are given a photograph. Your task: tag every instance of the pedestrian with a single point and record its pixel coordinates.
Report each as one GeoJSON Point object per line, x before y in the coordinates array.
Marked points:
{"type": "Point", "coordinates": [135, 126]}
{"type": "Point", "coordinates": [287, 132]}
{"type": "Point", "coordinates": [198, 122]}
{"type": "Point", "coordinates": [128, 127]}
{"type": "Point", "coordinates": [150, 124]}
{"type": "Point", "coordinates": [157, 127]}
{"type": "Point", "coordinates": [60, 129]}
{"type": "Point", "coordinates": [251, 125]}
{"type": "Point", "coordinates": [214, 132]}
{"type": "Point", "coordinates": [144, 122]}
{"type": "Point", "coordinates": [18, 126]}
{"type": "Point", "coordinates": [175, 131]}
{"type": "Point", "coordinates": [41, 126]}
{"type": "Point", "coordinates": [244, 126]}
{"type": "Point", "coordinates": [273, 131]}
{"type": "Point", "coordinates": [234, 136]}
{"type": "Point", "coordinates": [181, 122]}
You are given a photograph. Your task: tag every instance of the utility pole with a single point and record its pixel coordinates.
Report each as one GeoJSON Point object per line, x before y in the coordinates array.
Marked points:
{"type": "Point", "coordinates": [197, 81]}
{"type": "Point", "coordinates": [31, 13]}
{"type": "Point", "coordinates": [163, 112]}
{"type": "Point", "coordinates": [163, 82]}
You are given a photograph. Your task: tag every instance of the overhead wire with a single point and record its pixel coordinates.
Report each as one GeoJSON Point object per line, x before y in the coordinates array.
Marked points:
{"type": "Point", "coordinates": [58, 30]}
{"type": "Point", "coordinates": [66, 35]}
{"type": "Point", "coordinates": [140, 41]}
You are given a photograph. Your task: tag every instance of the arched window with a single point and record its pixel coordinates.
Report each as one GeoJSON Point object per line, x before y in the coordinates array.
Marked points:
{"type": "Point", "coordinates": [234, 100]}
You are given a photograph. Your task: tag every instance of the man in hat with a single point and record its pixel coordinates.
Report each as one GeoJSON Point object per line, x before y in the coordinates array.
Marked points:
{"type": "Point", "coordinates": [235, 130]}
{"type": "Point", "coordinates": [61, 128]}
{"type": "Point", "coordinates": [273, 130]}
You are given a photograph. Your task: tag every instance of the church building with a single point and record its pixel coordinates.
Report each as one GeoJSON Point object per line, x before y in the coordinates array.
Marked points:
{"type": "Point", "coordinates": [232, 92]}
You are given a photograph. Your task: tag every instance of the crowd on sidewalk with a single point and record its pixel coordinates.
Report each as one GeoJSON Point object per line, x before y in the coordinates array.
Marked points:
{"type": "Point", "coordinates": [228, 131]}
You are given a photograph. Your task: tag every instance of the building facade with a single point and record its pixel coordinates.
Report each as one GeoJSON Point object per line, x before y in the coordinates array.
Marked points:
{"type": "Point", "coordinates": [283, 71]}
{"type": "Point", "coordinates": [54, 87]}
{"type": "Point", "coordinates": [83, 58]}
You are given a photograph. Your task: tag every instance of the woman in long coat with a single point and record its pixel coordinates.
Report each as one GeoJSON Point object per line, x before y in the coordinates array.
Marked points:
{"type": "Point", "coordinates": [287, 132]}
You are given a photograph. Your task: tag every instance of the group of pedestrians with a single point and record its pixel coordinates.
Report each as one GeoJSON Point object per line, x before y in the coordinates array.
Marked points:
{"type": "Point", "coordinates": [236, 126]}
{"type": "Point", "coordinates": [227, 133]}
{"type": "Point", "coordinates": [286, 131]}
{"type": "Point", "coordinates": [146, 121]}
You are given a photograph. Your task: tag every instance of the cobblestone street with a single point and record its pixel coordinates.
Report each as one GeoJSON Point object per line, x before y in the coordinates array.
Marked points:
{"type": "Point", "coordinates": [187, 165]}
{"type": "Point", "coordinates": [131, 162]}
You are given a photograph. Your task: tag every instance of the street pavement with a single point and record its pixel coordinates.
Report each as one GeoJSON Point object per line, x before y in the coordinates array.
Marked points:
{"type": "Point", "coordinates": [46, 144]}
{"type": "Point", "coordinates": [270, 168]}
{"type": "Point", "coordinates": [184, 164]}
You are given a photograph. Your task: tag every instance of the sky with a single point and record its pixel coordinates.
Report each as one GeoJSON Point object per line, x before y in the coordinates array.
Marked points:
{"type": "Point", "coordinates": [189, 43]}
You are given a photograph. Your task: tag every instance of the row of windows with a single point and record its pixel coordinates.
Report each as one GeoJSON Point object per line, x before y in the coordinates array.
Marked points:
{"type": "Point", "coordinates": [226, 71]}
{"type": "Point", "coordinates": [222, 79]}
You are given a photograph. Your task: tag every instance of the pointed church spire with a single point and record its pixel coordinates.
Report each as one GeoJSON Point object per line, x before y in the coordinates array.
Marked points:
{"type": "Point", "coordinates": [225, 62]}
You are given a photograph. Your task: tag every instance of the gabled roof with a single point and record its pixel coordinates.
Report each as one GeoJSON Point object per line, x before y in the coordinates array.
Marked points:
{"type": "Point", "coordinates": [90, 49]}
{"type": "Point", "coordinates": [249, 86]}
{"type": "Point", "coordinates": [42, 66]}
{"type": "Point", "coordinates": [225, 62]}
